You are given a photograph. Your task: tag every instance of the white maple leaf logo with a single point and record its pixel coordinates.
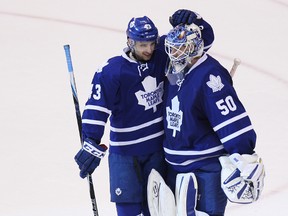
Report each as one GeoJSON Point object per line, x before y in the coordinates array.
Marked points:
{"type": "Point", "coordinates": [152, 96]}
{"type": "Point", "coordinates": [174, 116]}
{"type": "Point", "coordinates": [215, 83]}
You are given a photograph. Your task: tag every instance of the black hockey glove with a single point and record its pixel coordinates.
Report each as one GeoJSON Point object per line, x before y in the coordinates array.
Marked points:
{"type": "Point", "coordinates": [89, 157]}
{"type": "Point", "coordinates": [183, 16]}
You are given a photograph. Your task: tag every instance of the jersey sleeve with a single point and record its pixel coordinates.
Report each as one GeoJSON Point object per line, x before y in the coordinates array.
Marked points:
{"type": "Point", "coordinates": [207, 33]}
{"type": "Point", "coordinates": [226, 113]}
{"type": "Point", "coordinates": [102, 100]}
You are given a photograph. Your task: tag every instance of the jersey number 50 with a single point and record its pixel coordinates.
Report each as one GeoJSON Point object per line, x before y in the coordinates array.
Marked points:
{"type": "Point", "coordinates": [226, 105]}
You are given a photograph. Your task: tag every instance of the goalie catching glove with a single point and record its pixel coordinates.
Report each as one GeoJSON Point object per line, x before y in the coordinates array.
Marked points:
{"type": "Point", "coordinates": [242, 177]}
{"type": "Point", "coordinates": [89, 157]}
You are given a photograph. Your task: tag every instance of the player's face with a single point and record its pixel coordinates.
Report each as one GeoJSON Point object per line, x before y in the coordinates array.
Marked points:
{"type": "Point", "coordinates": [144, 50]}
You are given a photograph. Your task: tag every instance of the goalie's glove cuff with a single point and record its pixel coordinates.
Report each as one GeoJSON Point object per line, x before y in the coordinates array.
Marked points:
{"type": "Point", "coordinates": [89, 157]}
{"type": "Point", "coordinates": [250, 166]}
{"type": "Point", "coordinates": [242, 177]}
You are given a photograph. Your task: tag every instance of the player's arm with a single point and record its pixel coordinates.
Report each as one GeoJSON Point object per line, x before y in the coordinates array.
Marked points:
{"type": "Point", "coordinates": [98, 106]}
{"type": "Point", "coordinates": [94, 119]}
{"type": "Point", "coordinates": [242, 176]}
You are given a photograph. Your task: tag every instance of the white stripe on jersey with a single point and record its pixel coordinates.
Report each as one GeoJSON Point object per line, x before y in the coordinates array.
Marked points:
{"type": "Point", "coordinates": [236, 134]}
{"type": "Point", "coordinates": [99, 108]}
{"type": "Point", "coordinates": [229, 121]}
{"type": "Point", "coordinates": [138, 127]}
{"type": "Point", "coordinates": [203, 152]}
{"type": "Point", "coordinates": [93, 122]}
{"type": "Point", "coordinates": [187, 162]}
{"type": "Point", "coordinates": [132, 142]}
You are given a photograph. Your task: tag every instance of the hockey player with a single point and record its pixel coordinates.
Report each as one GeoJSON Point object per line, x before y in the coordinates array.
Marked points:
{"type": "Point", "coordinates": [129, 88]}
{"type": "Point", "coordinates": [205, 122]}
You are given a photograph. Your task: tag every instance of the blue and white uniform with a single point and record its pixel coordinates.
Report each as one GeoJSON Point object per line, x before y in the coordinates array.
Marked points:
{"type": "Point", "coordinates": [131, 94]}
{"type": "Point", "coordinates": [204, 118]}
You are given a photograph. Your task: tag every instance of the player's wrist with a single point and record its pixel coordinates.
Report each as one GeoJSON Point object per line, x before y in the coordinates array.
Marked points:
{"type": "Point", "coordinates": [93, 148]}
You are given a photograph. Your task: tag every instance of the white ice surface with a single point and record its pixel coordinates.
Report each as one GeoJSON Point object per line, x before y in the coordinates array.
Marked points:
{"type": "Point", "coordinates": [39, 135]}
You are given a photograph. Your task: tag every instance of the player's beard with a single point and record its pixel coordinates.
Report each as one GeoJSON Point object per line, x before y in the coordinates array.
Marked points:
{"type": "Point", "coordinates": [143, 57]}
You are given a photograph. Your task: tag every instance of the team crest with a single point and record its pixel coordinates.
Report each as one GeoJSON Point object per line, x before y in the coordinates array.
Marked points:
{"type": "Point", "coordinates": [142, 68]}
{"type": "Point", "coordinates": [152, 96]}
{"type": "Point", "coordinates": [118, 191]}
{"type": "Point", "coordinates": [215, 83]}
{"type": "Point", "coordinates": [174, 116]}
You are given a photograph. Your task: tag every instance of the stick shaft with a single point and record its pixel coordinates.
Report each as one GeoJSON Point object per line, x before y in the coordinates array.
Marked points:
{"type": "Point", "coordinates": [79, 121]}
{"type": "Point", "coordinates": [236, 63]}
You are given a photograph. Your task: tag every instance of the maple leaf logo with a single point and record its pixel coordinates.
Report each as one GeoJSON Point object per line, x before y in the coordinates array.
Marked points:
{"type": "Point", "coordinates": [152, 96]}
{"type": "Point", "coordinates": [174, 116]}
{"type": "Point", "coordinates": [215, 83]}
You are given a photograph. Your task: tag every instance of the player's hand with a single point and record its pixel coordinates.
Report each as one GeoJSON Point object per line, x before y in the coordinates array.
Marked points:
{"type": "Point", "coordinates": [89, 157]}
{"type": "Point", "coordinates": [183, 16]}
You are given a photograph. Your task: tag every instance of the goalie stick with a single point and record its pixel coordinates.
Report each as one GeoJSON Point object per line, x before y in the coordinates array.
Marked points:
{"type": "Point", "coordinates": [236, 63]}
{"type": "Point", "coordinates": [79, 122]}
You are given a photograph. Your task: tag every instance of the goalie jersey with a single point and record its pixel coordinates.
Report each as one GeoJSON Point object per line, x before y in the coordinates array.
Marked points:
{"type": "Point", "coordinates": [131, 93]}
{"type": "Point", "coordinates": [204, 118]}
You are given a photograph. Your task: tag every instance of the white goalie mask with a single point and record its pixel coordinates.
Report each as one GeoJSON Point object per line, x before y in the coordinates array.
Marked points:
{"type": "Point", "coordinates": [182, 44]}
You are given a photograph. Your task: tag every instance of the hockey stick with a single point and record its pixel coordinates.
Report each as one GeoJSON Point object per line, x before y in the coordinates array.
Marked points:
{"type": "Point", "coordinates": [78, 116]}
{"type": "Point", "coordinates": [236, 63]}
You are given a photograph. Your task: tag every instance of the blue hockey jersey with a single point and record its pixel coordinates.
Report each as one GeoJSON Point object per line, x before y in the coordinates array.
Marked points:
{"type": "Point", "coordinates": [204, 118]}
{"type": "Point", "coordinates": [130, 93]}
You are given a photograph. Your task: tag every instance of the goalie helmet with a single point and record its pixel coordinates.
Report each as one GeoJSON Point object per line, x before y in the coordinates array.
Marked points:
{"type": "Point", "coordinates": [182, 44]}
{"type": "Point", "coordinates": [142, 29]}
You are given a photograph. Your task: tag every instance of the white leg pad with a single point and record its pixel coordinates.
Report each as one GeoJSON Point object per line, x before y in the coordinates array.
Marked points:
{"type": "Point", "coordinates": [186, 195]}
{"type": "Point", "coordinates": [161, 201]}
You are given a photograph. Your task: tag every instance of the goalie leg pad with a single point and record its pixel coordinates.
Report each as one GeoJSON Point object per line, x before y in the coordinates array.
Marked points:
{"type": "Point", "coordinates": [161, 201]}
{"type": "Point", "coordinates": [186, 195]}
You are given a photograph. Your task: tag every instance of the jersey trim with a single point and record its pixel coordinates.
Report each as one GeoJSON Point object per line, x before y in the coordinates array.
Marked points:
{"type": "Point", "coordinates": [188, 162]}
{"type": "Point", "coordinates": [99, 108]}
{"type": "Point", "coordinates": [138, 127]}
{"type": "Point", "coordinates": [236, 134]}
{"type": "Point", "coordinates": [133, 142]}
{"type": "Point", "coordinates": [93, 122]}
{"type": "Point", "coordinates": [225, 123]}
{"type": "Point", "coordinates": [203, 152]}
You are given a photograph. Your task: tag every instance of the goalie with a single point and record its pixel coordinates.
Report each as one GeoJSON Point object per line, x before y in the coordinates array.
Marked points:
{"type": "Point", "coordinates": [209, 139]}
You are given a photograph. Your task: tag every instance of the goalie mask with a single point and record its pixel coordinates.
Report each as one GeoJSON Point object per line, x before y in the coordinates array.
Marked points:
{"type": "Point", "coordinates": [182, 44]}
